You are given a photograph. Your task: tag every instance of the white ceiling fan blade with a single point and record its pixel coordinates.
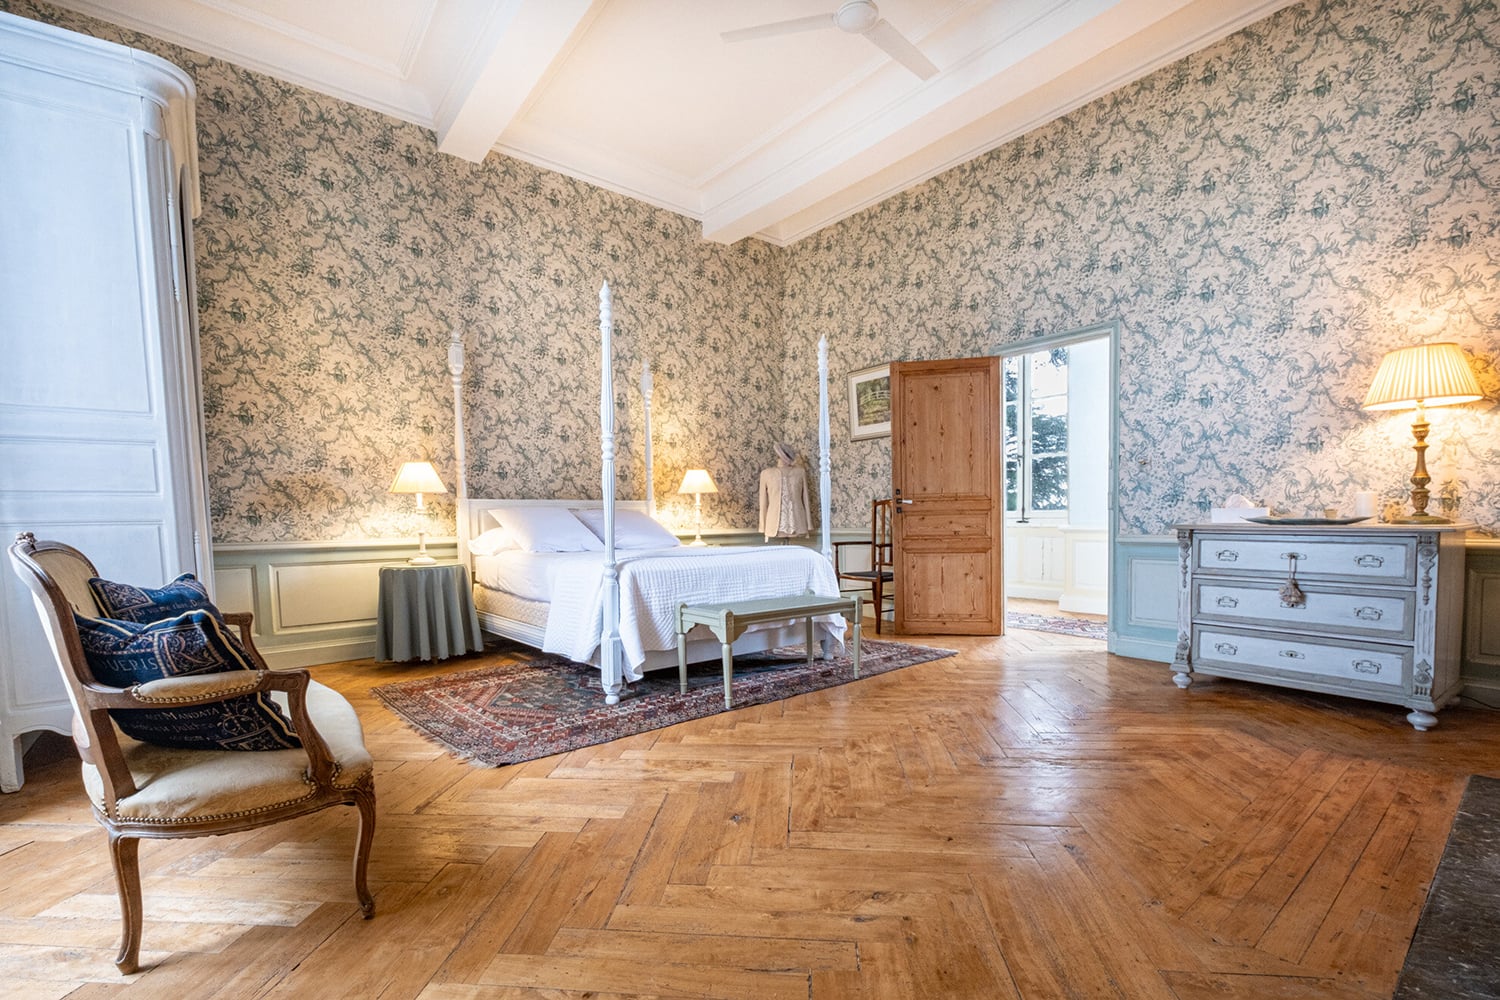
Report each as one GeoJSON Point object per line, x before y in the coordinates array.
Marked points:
{"type": "Point", "coordinates": [779, 28]}
{"type": "Point", "coordinates": [899, 49]}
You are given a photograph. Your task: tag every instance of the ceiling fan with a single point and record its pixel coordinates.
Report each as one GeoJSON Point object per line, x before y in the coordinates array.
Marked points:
{"type": "Point", "coordinates": [856, 17]}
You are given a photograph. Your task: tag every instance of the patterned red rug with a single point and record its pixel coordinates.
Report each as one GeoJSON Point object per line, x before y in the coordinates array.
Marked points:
{"type": "Point", "coordinates": [548, 705]}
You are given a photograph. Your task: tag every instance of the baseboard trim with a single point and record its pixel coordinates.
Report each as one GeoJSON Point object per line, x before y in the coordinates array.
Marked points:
{"type": "Point", "coordinates": [1479, 692]}
{"type": "Point", "coordinates": [311, 654]}
{"type": "Point", "coordinates": [1162, 651]}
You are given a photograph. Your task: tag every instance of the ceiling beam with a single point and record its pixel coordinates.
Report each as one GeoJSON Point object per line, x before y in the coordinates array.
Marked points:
{"type": "Point", "coordinates": [517, 48]}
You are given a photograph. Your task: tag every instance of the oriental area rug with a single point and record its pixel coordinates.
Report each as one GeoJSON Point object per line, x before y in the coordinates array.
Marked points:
{"type": "Point", "coordinates": [548, 705]}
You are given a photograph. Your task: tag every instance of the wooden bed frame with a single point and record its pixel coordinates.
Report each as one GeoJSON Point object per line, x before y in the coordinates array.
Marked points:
{"type": "Point", "coordinates": [608, 656]}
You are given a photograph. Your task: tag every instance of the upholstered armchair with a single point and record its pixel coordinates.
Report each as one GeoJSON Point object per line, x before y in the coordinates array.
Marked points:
{"type": "Point", "coordinates": [140, 789]}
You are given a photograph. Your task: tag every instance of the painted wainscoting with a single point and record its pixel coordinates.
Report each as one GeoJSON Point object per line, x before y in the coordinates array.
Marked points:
{"type": "Point", "coordinates": [314, 602]}
{"type": "Point", "coordinates": [1058, 562]}
{"type": "Point", "coordinates": [1145, 602]}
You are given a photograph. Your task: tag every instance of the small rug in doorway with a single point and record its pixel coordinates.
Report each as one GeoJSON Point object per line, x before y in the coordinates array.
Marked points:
{"type": "Point", "coordinates": [1453, 953]}
{"type": "Point", "coordinates": [549, 705]}
{"type": "Point", "coordinates": [1082, 628]}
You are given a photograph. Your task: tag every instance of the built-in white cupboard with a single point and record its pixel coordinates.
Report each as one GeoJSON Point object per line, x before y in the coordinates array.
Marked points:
{"type": "Point", "coordinates": [101, 440]}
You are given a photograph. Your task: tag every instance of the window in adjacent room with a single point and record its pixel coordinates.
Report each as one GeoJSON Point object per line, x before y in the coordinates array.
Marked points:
{"type": "Point", "coordinates": [1036, 435]}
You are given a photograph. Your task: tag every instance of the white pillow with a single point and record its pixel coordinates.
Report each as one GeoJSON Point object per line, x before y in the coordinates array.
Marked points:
{"type": "Point", "coordinates": [546, 529]}
{"type": "Point", "coordinates": [492, 541]}
{"type": "Point", "coordinates": [633, 530]}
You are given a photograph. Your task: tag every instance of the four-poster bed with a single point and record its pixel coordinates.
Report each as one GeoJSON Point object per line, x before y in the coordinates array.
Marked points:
{"type": "Point", "coordinates": [615, 608]}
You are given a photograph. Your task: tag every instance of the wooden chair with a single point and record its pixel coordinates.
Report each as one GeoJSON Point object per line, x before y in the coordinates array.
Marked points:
{"type": "Point", "coordinates": [142, 790]}
{"type": "Point", "coordinates": [880, 578]}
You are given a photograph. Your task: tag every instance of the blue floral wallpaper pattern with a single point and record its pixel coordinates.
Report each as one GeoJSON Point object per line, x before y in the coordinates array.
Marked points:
{"type": "Point", "coordinates": [1264, 219]}
{"type": "Point", "coordinates": [338, 248]}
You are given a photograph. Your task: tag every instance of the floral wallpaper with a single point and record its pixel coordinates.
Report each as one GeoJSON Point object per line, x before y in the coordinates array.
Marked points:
{"type": "Point", "coordinates": [338, 249]}
{"type": "Point", "coordinates": [1264, 219]}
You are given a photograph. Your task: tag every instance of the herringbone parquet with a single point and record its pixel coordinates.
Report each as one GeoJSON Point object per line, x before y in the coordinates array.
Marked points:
{"type": "Point", "coordinates": [1032, 818]}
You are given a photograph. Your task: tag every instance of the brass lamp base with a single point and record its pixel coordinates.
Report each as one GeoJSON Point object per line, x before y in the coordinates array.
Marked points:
{"type": "Point", "coordinates": [1419, 478]}
{"type": "Point", "coordinates": [1420, 519]}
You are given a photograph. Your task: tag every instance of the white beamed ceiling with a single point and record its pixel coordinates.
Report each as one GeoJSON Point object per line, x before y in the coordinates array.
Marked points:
{"type": "Point", "coordinates": [773, 138]}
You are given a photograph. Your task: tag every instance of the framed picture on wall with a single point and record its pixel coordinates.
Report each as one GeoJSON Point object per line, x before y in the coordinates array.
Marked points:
{"type": "Point", "coordinates": [870, 403]}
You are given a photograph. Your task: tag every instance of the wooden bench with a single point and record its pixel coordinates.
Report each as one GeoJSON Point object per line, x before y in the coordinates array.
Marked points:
{"type": "Point", "coordinates": [730, 620]}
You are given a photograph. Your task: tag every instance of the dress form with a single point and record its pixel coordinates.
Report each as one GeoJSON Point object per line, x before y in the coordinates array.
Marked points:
{"type": "Point", "coordinates": [783, 497]}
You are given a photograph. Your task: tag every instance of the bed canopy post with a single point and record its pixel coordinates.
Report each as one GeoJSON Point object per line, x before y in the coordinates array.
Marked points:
{"type": "Point", "coordinates": [612, 675]}
{"type": "Point", "coordinates": [825, 501]}
{"type": "Point", "coordinates": [646, 407]}
{"type": "Point", "coordinates": [461, 510]}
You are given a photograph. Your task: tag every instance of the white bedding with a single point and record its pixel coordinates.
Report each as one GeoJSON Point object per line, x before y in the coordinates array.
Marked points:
{"type": "Point", "coordinates": [653, 582]}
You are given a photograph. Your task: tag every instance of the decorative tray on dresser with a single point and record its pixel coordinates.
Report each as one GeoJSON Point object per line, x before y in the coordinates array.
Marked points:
{"type": "Point", "coordinates": [1369, 611]}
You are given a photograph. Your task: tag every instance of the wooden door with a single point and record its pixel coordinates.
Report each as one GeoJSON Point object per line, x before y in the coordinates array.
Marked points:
{"type": "Point", "coordinates": [946, 479]}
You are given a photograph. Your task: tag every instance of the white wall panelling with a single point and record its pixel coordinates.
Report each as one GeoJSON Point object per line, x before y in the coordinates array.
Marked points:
{"type": "Point", "coordinates": [314, 602]}
{"type": "Point", "coordinates": [101, 437]}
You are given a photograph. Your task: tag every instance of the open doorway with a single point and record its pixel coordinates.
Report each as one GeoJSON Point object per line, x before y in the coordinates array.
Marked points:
{"type": "Point", "coordinates": [1057, 419]}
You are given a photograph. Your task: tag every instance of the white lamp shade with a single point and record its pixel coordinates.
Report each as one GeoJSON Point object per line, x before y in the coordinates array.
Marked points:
{"type": "Point", "coordinates": [417, 477]}
{"type": "Point", "coordinates": [1425, 375]}
{"type": "Point", "coordinates": [697, 481]}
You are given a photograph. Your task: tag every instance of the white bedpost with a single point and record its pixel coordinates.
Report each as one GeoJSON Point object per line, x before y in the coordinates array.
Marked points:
{"type": "Point", "coordinates": [646, 406]}
{"type": "Point", "coordinates": [825, 501]}
{"type": "Point", "coordinates": [611, 673]}
{"type": "Point", "coordinates": [461, 511]}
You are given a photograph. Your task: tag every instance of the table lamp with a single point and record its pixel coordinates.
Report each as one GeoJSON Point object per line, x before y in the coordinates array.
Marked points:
{"type": "Point", "coordinates": [1422, 376]}
{"type": "Point", "coordinates": [697, 482]}
{"type": "Point", "coordinates": [419, 478]}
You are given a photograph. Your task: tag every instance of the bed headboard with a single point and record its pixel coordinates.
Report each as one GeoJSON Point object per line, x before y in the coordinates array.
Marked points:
{"type": "Point", "coordinates": [473, 512]}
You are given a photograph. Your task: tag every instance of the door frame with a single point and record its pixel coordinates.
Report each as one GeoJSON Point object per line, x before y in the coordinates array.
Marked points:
{"type": "Point", "coordinates": [1109, 329]}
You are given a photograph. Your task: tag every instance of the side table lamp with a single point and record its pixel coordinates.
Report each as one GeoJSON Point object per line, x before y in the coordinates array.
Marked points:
{"type": "Point", "coordinates": [1422, 376]}
{"type": "Point", "coordinates": [697, 482]}
{"type": "Point", "coordinates": [419, 478]}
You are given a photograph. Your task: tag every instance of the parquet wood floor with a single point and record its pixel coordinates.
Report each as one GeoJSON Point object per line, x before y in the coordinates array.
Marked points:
{"type": "Point", "coordinates": [1031, 819]}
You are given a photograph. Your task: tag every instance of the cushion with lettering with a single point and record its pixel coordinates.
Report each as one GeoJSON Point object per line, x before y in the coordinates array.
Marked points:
{"type": "Point", "coordinates": [126, 603]}
{"type": "Point", "coordinates": [122, 654]}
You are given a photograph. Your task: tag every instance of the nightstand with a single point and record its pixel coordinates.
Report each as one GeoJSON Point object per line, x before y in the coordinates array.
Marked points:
{"type": "Point", "coordinates": [425, 613]}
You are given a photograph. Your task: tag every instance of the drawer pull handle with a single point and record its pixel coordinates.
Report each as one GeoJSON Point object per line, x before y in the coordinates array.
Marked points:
{"type": "Point", "coordinates": [1367, 666]}
{"type": "Point", "coordinates": [1227, 602]}
{"type": "Point", "coordinates": [1368, 614]}
{"type": "Point", "coordinates": [1294, 555]}
{"type": "Point", "coordinates": [1227, 648]}
{"type": "Point", "coordinates": [1227, 555]}
{"type": "Point", "coordinates": [1292, 654]}
{"type": "Point", "coordinates": [1369, 562]}
{"type": "Point", "coordinates": [1300, 602]}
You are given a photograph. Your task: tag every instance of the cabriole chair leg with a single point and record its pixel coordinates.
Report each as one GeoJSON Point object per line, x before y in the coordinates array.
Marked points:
{"type": "Point", "coordinates": [365, 800]}
{"type": "Point", "coordinates": [124, 851]}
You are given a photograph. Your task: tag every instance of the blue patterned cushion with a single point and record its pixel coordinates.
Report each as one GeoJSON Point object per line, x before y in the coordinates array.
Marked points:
{"type": "Point", "coordinates": [122, 653]}
{"type": "Point", "coordinates": [125, 603]}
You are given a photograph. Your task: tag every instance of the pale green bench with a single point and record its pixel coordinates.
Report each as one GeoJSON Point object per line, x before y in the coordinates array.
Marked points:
{"type": "Point", "coordinates": [728, 621]}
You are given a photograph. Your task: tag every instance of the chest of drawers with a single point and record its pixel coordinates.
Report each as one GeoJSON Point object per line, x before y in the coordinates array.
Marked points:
{"type": "Point", "coordinates": [1367, 611]}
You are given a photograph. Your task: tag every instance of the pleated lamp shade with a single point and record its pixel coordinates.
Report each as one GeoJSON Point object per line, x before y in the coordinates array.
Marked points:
{"type": "Point", "coordinates": [1425, 375]}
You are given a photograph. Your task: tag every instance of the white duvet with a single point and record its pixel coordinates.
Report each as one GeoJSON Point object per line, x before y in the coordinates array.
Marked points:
{"type": "Point", "coordinates": [653, 582]}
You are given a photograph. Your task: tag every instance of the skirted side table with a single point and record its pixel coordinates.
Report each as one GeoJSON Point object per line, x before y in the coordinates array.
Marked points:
{"type": "Point", "coordinates": [426, 613]}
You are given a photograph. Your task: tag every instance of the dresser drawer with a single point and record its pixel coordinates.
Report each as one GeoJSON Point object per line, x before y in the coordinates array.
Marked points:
{"type": "Point", "coordinates": [1363, 664]}
{"type": "Point", "coordinates": [1358, 558]}
{"type": "Point", "coordinates": [1389, 614]}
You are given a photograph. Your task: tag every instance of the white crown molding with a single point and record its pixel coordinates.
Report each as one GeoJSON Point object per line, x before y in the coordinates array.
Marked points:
{"type": "Point", "coordinates": [259, 44]}
{"type": "Point", "coordinates": [1168, 41]}
{"type": "Point", "coordinates": [476, 72]}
